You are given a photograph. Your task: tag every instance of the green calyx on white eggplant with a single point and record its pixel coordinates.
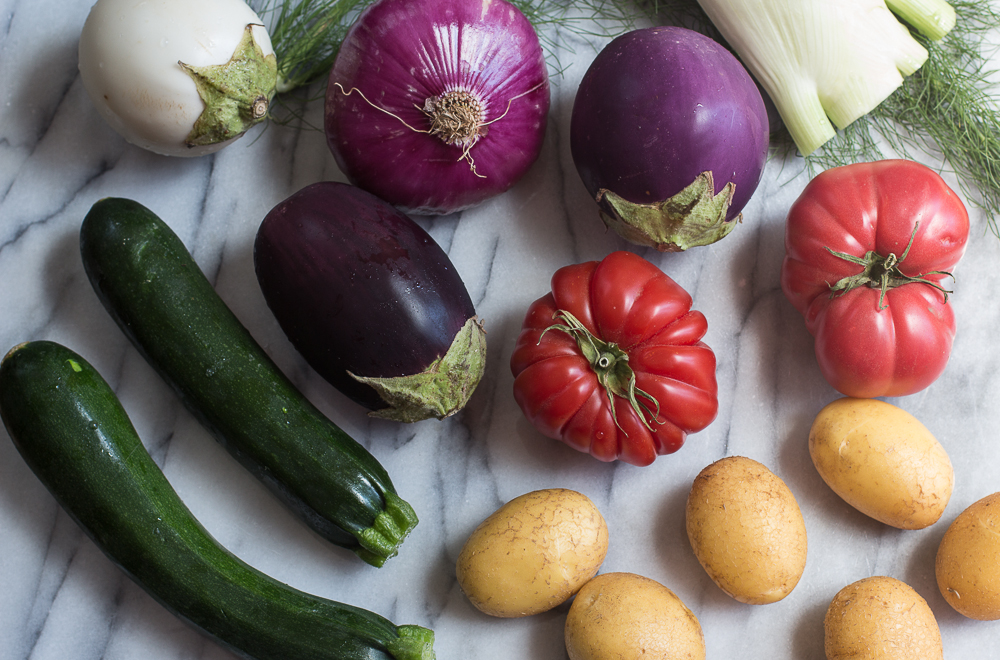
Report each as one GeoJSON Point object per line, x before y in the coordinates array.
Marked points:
{"type": "Point", "coordinates": [443, 388]}
{"type": "Point", "coordinates": [826, 64]}
{"type": "Point", "coordinates": [695, 216]}
{"type": "Point", "coordinates": [610, 364]}
{"type": "Point", "coordinates": [236, 94]}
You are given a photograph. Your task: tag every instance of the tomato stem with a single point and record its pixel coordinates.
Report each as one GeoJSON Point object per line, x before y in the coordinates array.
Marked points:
{"type": "Point", "coordinates": [883, 273]}
{"type": "Point", "coordinates": [610, 364]}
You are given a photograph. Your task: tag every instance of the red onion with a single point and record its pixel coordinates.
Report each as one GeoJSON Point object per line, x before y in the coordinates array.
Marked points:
{"type": "Point", "coordinates": [437, 105]}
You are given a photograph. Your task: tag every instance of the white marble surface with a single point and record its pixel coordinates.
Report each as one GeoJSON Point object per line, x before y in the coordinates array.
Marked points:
{"type": "Point", "coordinates": [60, 598]}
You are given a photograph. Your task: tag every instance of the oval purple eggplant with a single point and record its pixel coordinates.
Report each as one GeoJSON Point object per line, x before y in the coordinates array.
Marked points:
{"type": "Point", "coordinates": [371, 302]}
{"type": "Point", "coordinates": [669, 134]}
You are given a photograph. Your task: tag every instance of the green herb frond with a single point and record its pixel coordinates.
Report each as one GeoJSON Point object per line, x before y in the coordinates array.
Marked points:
{"type": "Point", "coordinates": [596, 20]}
{"type": "Point", "coordinates": [553, 19]}
{"type": "Point", "coordinates": [306, 35]}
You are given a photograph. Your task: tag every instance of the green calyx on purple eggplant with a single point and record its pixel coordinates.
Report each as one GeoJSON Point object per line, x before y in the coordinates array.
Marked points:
{"type": "Point", "coordinates": [443, 388]}
{"type": "Point", "coordinates": [694, 216]}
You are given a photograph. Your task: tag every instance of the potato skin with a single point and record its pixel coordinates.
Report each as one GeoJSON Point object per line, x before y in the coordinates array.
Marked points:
{"type": "Point", "coordinates": [624, 616]}
{"type": "Point", "coordinates": [747, 530]}
{"type": "Point", "coordinates": [533, 553]}
{"type": "Point", "coordinates": [968, 561]}
{"type": "Point", "coordinates": [882, 461]}
{"type": "Point", "coordinates": [881, 618]}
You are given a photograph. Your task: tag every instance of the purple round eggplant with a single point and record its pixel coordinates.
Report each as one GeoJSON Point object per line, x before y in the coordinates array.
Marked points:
{"type": "Point", "coordinates": [669, 134]}
{"type": "Point", "coordinates": [371, 302]}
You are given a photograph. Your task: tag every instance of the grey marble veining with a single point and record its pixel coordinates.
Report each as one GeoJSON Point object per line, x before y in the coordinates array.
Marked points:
{"type": "Point", "coordinates": [62, 599]}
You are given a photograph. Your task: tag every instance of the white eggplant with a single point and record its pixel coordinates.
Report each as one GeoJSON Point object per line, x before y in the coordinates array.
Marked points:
{"type": "Point", "coordinates": [824, 61]}
{"type": "Point", "coordinates": [178, 77]}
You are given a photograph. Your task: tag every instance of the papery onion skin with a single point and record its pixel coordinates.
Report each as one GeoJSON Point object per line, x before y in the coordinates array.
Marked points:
{"type": "Point", "coordinates": [658, 107]}
{"type": "Point", "coordinates": [399, 54]}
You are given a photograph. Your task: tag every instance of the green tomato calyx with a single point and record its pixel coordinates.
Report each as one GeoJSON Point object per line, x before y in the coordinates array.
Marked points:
{"type": "Point", "coordinates": [695, 216]}
{"type": "Point", "coordinates": [883, 273]}
{"type": "Point", "coordinates": [610, 364]}
{"type": "Point", "coordinates": [236, 94]}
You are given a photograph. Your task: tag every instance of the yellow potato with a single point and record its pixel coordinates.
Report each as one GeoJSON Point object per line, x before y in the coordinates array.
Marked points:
{"type": "Point", "coordinates": [968, 561]}
{"type": "Point", "coordinates": [623, 616]}
{"type": "Point", "coordinates": [882, 461]}
{"type": "Point", "coordinates": [747, 531]}
{"type": "Point", "coordinates": [533, 553]}
{"type": "Point", "coordinates": [881, 618]}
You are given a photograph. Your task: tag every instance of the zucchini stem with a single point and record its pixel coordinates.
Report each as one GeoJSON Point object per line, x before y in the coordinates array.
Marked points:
{"type": "Point", "coordinates": [414, 643]}
{"type": "Point", "coordinates": [381, 541]}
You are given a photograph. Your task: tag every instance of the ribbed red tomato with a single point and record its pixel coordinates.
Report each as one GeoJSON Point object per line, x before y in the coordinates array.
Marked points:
{"type": "Point", "coordinates": [866, 249]}
{"type": "Point", "coordinates": [612, 361]}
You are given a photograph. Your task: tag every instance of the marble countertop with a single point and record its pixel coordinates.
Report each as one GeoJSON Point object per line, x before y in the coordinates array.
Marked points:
{"type": "Point", "coordinates": [63, 599]}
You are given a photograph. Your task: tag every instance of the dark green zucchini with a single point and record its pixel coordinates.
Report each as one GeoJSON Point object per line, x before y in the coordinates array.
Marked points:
{"type": "Point", "coordinates": [154, 290]}
{"type": "Point", "coordinates": [74, 434]}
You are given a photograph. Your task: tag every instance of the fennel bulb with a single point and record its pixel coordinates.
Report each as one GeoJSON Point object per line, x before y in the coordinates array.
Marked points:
{"type": "Point", "coordinates": [178, 77]}
{"type": "Point", "coordinates": [826, 63]}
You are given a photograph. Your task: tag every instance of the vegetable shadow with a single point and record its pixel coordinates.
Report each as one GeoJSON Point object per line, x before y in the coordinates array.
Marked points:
{"type": "Point", "coordinates": [38, 98]}
{"type": "Point", "coordinates": [548, 633]}
{"type": "Point", "coordinates": [920, 573]}
{"type": "Point", "coordinates": [808, 640]}
{"type": "Point", "coordinates": [686, 574]}
{"type": "Point", "coordinates": [75, 308]}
